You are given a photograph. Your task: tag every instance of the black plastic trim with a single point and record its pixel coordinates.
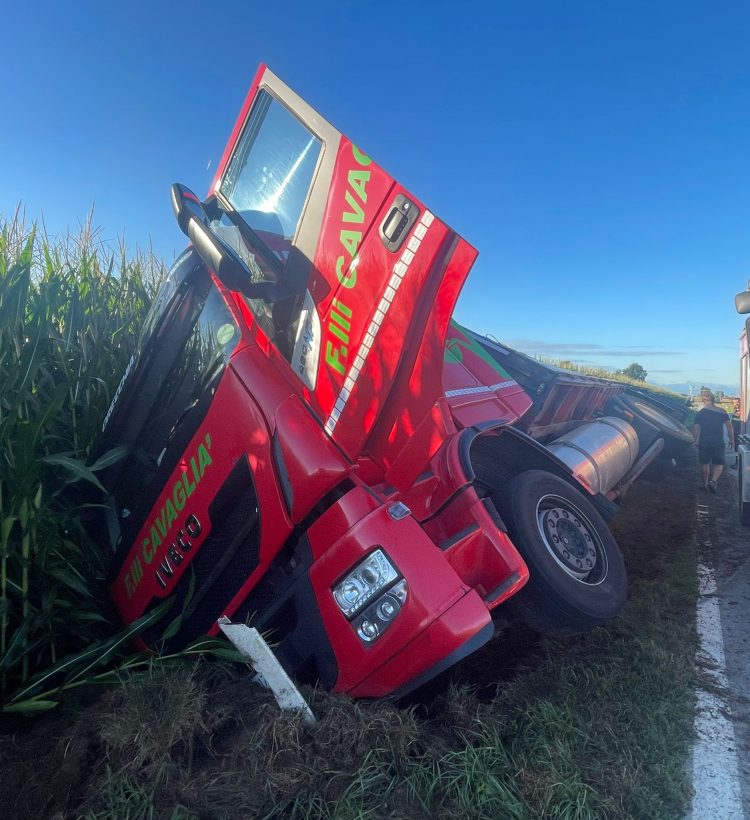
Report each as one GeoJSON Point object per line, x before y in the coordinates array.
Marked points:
{"type": "Point", "coordinates": [459, 536]}
{"type": "Point", "coordinates": [224, 561]}
{"type": "Point", "coordinates": [489, 505]}
{"type": "Point", "coordinates": [520, 436]}
{"type": "Point", "coordinates": [605, 507]}
{"type": "Point", "coordinates": [283, 473]}
{"type": "Point", "coordinates": [508, 582]}
{"type": "Point", "coordinates": [283, 603]}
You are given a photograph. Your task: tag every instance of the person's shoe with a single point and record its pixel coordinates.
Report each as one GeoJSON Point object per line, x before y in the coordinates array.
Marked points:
{"type": "Point", "coordinates": [711, 486]}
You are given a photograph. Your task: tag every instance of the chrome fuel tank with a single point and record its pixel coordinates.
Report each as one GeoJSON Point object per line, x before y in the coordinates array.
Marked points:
{"type": "Point", "coordinates": [599, 453]}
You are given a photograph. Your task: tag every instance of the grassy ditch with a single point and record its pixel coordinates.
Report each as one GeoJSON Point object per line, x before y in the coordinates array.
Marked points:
{"type": "Point", "coordinates": [588, 727]}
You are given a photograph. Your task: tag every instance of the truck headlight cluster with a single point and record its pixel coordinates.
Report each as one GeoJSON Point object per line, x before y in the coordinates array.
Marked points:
{"type": "Point", "coordinates": [369, 592]}
{"type": "Point", "coordinates": [373, 622]}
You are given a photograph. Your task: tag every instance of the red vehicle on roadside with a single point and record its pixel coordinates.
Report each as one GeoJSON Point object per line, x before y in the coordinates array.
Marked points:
{"type": "Point", "coordinates": [742, 441]}
{"type": "Point", "coordinates": [313, 448]}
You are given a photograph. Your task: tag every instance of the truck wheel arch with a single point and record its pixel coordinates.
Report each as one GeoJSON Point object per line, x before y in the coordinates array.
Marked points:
{"type": "Point", "coordinates": [493, 454]}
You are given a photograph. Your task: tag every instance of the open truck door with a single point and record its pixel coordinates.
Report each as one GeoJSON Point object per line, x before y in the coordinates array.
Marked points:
{"type": "Point", "coordinates": [369, 275]}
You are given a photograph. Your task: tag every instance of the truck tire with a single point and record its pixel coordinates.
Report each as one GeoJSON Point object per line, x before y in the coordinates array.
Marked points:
{"type": "Point", "coordinates": [666, 424]}
{"type": "Point", "coordinates": [577, 575]}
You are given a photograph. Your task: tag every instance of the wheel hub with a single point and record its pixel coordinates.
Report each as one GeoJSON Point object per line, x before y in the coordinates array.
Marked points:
{"type": "Point", "coordinates": [571, 541]}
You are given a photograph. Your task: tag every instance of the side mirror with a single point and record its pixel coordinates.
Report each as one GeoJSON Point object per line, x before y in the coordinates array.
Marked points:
{"type": "Point", "coordinates": [186, 205]}
{"type": "Point", "coordinates": [194, 223]}
{"type": "Point", "coordinates": [742, 302]}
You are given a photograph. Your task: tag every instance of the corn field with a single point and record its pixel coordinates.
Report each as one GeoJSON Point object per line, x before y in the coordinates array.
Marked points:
{"type": "Point", "coordinates": [70, 313]}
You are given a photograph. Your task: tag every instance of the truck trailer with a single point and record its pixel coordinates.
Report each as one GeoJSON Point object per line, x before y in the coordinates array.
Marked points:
{"type": "Point", "coordinates": [314, 448]}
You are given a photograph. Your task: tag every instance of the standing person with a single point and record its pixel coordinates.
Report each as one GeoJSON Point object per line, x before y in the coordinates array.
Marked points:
{"type": "Point", "coordinates": [708, 434]}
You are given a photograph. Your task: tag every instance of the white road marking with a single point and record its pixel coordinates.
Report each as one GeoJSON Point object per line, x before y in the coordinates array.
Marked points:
{"type": "Point", "coordinates": [716, 780]}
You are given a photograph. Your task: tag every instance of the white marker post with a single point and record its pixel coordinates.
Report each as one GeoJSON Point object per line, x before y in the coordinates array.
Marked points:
{"type": "Point", "coordinates": [251, 644]}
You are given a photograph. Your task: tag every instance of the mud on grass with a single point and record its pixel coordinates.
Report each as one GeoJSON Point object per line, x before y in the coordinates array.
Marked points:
{"type": "Point", "coordinates": [595, 726]}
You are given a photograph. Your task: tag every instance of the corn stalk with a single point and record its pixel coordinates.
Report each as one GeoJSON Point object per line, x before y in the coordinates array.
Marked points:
{"type": "Point", "coordinates": [70, 313]}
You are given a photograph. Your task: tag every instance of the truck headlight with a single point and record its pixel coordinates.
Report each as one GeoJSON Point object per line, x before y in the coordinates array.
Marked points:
{"type": "Point", "coordinates": [373, 622]}
{"type": "Point", "coordinates": [365, 581]}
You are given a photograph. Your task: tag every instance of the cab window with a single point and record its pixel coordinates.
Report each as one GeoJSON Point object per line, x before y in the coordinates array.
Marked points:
{"type": "Point", "coordinates": [269, 175]}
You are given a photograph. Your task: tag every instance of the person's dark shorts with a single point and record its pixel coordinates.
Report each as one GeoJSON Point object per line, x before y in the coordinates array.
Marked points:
{"type": "Point", "coordinates": [711, 453]}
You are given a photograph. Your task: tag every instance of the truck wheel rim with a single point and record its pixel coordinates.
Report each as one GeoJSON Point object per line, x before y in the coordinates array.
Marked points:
{"type": "Point", "coordinates": [571, 540]}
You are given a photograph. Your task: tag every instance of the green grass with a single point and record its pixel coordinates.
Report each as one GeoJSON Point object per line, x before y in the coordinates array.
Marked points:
{"type": "Point", "coordinates": [587, 727]}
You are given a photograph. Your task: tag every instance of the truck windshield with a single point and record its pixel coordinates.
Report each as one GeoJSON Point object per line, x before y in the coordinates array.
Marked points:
{"type": "Point", "coordinates": [269, 175]}
{"type": "Point", "coordinates": [183, 350]}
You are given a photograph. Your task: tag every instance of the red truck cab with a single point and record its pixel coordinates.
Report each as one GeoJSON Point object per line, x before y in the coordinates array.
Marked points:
{"type": "Point", "coordinates": [307, 453]}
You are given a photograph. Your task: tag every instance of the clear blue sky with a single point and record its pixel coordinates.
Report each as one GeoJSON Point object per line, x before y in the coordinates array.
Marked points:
{"type": "Point", "coordinates": [595, 152]}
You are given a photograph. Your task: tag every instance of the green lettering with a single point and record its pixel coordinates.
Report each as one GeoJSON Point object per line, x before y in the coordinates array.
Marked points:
{"type": "Point", "coordinates": [339, 333]}
{"type": "Point", "coordinates": [160, 524]}
{"type": "Point", "coordinates": [350, 240]}
{"type": "Point", "coordinates": [361, 158]}
{"type": "Point", "coordinates": [178, 495]}
{"type": "Point", "coordinates": [339, 320]}
{"type": "Point", "coordinates": [349, 278]}
{"type": "Point", "coordinates": [188, 486]}
{"type": "Point", "coordinates": [171, 514]}
{"type": "Point", "coordinates": [356, 214]}
{"type": "Point", "coordinates": [182, 489]}
{"type": "Point", "coordinates": [358, 182]}
{"type": "Point", "coordinates": [128, 584]}
{"type": "Point", "coordinates": [342, 307]}
{"type": "Point", "coordinates": [204, 459]}
{"type": "Point", "coordinates": [332, 358]}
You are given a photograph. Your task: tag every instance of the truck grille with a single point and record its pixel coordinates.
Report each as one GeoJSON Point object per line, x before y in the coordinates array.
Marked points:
{"type": "Point", "coordinates": [221, 566]}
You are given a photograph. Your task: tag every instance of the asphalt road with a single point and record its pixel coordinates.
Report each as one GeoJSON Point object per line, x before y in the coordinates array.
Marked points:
{"type": "Point", "coordinates": [721, 761]}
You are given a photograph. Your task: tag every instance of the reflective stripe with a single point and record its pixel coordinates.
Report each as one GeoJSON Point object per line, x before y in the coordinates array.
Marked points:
{"type": "Point", "coordinates": [399, 271]}
{"type": "Point", "coordinates": [470, 391]}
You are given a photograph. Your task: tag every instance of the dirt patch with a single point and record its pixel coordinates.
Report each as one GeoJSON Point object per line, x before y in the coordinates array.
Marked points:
{"type": "Point", "coordinates": [46, 766]}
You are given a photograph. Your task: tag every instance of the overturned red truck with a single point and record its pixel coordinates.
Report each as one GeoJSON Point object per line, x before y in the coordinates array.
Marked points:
{"type": "Point", "coordinates": [313, 447]}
